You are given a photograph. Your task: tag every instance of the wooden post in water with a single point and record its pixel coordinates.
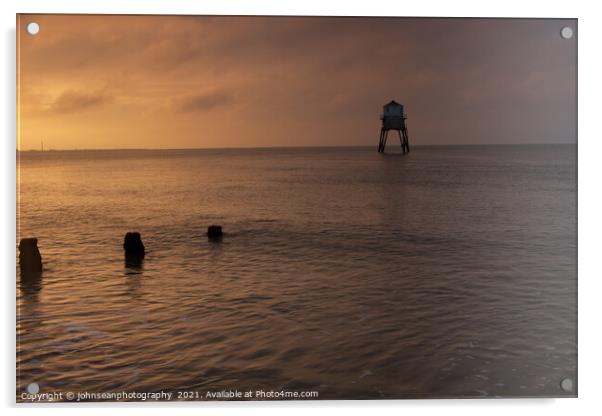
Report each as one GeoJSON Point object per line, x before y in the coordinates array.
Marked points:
{"type": "Point", "coordinates": [30, 259]}
{"type": "Point", "coordinates": [132, 244]}
{"type": "Point", "coordinates": [394, 118]}
{"type": "Point", "coordinates": [134, 250]}
{"type": "Point", "coordinates": [214, 232]}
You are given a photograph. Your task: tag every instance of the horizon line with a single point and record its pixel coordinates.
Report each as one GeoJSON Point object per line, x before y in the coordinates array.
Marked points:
{"type": "Point", "coordinates": [282, 147]}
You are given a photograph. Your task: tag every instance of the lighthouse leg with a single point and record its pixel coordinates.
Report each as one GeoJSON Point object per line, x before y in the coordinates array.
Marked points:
{"type": "Point", "coordinates": [403, 149]}
{"type": "Point", "coordinates": [406, 140]}
{"type": "Point", "coordinates": [385, 140]}
{"type": "Point", "coordinates": [380, 140]}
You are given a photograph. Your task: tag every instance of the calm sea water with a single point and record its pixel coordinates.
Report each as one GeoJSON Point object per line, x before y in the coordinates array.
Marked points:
{"type": "Point", "coordinates": [448, 272]}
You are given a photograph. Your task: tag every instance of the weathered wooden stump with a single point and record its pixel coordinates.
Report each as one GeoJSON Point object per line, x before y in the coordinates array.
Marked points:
{"type": "Point", "coordinates": [30, 258]}
{"type": "Point", "coordinates": [214, 232]}
{"type": "Point", "coordinates": [132, 244]}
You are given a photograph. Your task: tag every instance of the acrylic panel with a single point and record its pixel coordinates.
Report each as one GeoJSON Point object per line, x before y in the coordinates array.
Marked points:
{"type": "Point", "coordinates": [295, 208]}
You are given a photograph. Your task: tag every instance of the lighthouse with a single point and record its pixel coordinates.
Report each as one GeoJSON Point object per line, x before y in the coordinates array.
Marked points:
{"type": "Point", "coordinates": [393, 118]}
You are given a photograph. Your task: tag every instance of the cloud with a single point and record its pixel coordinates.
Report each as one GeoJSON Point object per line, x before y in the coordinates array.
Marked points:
{"type": "Point", "coordinates": [202, 102]}
{"type": "Point", "coordinates": [72, 101]}
{"type": "Point", "coordinates": [325, 78]}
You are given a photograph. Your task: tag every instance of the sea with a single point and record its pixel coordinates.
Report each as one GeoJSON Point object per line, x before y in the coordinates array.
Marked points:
{"type": "Point", "coordinates": [448, 272]}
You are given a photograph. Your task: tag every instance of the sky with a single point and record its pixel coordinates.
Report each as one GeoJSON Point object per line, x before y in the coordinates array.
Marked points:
{"type": "Point", "coordinates": [102, 82]}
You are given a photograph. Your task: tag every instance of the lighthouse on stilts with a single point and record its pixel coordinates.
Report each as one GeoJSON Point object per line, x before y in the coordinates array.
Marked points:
{"type": "Point", "coordinates": [394, 118]}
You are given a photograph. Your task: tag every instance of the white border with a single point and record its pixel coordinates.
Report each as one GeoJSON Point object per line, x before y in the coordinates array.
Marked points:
{"type": "Point", "coordinates": [590, 208]}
